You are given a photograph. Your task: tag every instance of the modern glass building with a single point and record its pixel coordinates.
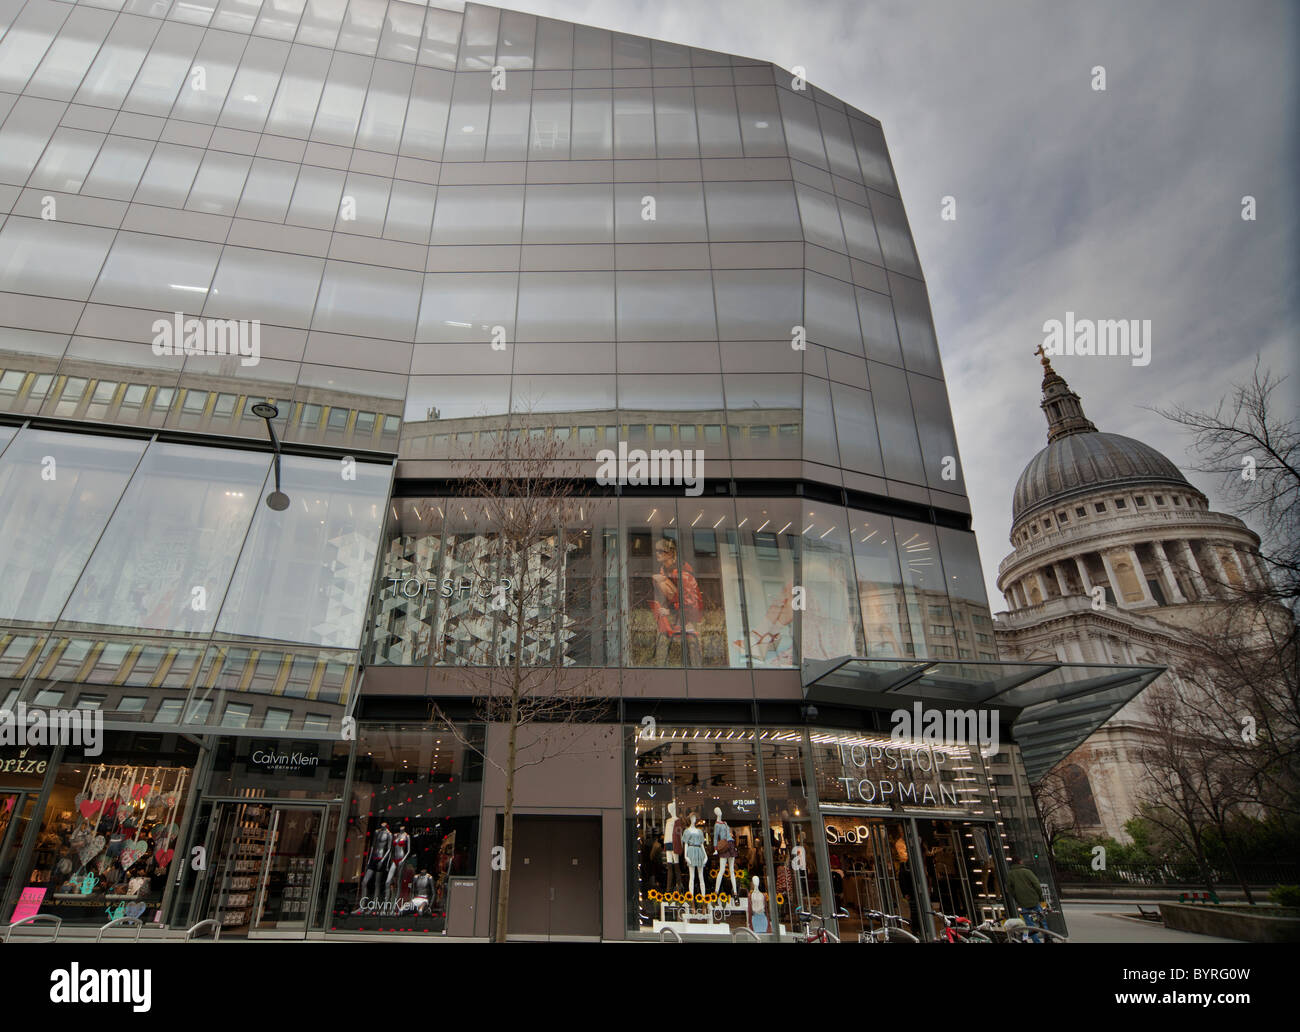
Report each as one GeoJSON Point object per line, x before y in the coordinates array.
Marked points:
{"type": "Point", "coordinates": [398, 231]}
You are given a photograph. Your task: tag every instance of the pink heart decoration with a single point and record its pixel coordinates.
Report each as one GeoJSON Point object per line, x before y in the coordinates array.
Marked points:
{"type": "Point", "coordinates": [90, 807]}
{"type": "Point", "coordinates": [131, 852]}
{"type": "Point", "coordinates": [163, 857]}
{"type": "Point", "coordinates": [140, 791]}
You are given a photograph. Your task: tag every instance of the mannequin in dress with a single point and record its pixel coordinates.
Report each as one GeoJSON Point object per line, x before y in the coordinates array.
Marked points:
{"type": "Point", "coordinates": [672, 845]}
{"type": "Point", "coordinates": [401, 850]}
{"type": "Point", "coordinates": [696, 855]}
{"type": "Point", "coordinates": [381, 848]}
{"type": "Point", "coordinates": [757, 908]}
{"type": "Point", "coordinates": [724, 844]}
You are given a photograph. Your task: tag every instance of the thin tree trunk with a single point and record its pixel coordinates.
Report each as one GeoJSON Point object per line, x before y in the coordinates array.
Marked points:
{"type": "Point", "coordinates": [508, 828]}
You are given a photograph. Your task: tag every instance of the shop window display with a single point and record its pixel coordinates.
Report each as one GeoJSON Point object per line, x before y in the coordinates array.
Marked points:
{"type": "Point", "coordinates": [107, 842]}
{"type": "Point", "coordinates": [412, 824]}
{"type": "Point", "coordinates": [699, 832]}
{"type": "Point", "coordinates": [795, 883]}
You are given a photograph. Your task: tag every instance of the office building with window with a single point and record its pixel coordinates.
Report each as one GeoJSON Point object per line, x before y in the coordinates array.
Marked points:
{"type": "Point", "coordinates": [271, 273]}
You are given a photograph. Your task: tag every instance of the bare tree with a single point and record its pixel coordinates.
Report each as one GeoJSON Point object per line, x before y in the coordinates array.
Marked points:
{"type": "Point", "coordinates": [516, 635]}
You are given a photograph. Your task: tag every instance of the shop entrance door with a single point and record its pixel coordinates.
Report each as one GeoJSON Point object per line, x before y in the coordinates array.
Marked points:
{"type": "Point", "coordinates": [266, 865]}
{"type": "Point", "coordinates": [871, 874]}
{"type": "Point", "coordinates": [555, 879]}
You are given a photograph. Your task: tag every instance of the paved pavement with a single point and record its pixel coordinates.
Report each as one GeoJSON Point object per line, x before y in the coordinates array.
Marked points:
{"type": "Point", "coordinates": [1102, 922]}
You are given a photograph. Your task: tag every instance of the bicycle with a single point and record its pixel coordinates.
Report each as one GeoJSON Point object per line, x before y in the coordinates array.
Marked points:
{"type": "Point", "coordinates": [957, 928]}
{"type": "Point", "coordinates": [820, 933]}
{"type": "Point", "coordinates": [890, 929]}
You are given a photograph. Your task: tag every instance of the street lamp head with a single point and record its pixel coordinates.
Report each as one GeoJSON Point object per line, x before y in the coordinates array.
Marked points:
{"type": "Point", "coordinates": [278, 500]}
{"type": "Point", "coordinates": [265, 410]}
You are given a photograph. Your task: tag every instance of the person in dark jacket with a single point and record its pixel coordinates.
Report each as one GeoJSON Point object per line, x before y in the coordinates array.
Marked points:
{"type": "Point", "coordinates": [1027, 894]}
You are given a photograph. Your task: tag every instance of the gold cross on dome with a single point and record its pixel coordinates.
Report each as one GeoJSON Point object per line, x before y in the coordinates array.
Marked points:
{"type": "Point", "coordinates": [1042, 357]}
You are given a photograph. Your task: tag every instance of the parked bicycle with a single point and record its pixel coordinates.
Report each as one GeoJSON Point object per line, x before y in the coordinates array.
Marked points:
{"type": "Point", "coordinates": [891, 928]}
{"type": "Point", "coordinates": [821, 933]}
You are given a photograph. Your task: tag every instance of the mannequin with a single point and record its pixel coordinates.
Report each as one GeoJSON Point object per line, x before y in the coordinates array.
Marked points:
{"type": "Point", "coordinates": [672, 845]}
{"type": "Point", "coordinates": [757, 908]}
{"type": "Point", "coordinates": [696, 856]}
{"type": "Point", "coordinates": [422, 892]}
{"type": "Point", "coordinates": [724, 844]}
{"type": "Point", "coordinates": [377, 861]}
{"type": "Point", "coordinates": [401, 850]}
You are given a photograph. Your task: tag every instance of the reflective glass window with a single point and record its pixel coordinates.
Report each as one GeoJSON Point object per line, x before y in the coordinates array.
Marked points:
{"type": "Point", "coordinates": [400, 38]}
{"type": "Point", "coordinates": [385, 110]}
{"type": "Point", "coordinates": [165, 69]}
{"type": "Point", "coordinates": [591, 584]}
{"type": "Point", "coordinates": [880, 587]}
{"type": "Point", "coordinates": [818, 422]}
{"type": "Point", "coordinates": [255, 84]}
{"type": "Point", "coordinates": [758, 304]}
{"type": "Point", "coordinates": [554, 44]}
{"type": "Point", "coordinates": [24, 135]}
{"type": "Point", "coordinates": [364, 204]}
{"type": "Point", "coordinates": [898, 441]}
{"type": "Point", "coordinates": [367, 300]}
{"type": "Point", "coordinates": [213, 70]}
{"type": "Point", "coordinates": [802, 133]}
{"type": "Point", "coordinates": [51, 525]}
{"type": "Point", "coordinates": [219, 182]}
{"type": "Point", "coordinates": [118, 168]}
{"type": "Point", "coordinates": [830, 625]}
{"type": "Point", "coordinates": [769, 539]}
{"type": "Point", "coordinates": [710, 553]}
{"type": "Point", "coordinates": [928, 613]}
{"type": "Point", "coordinates": [752, 211]}
{"type": "Point", "coordinates": [279, 18]}
{"type": "Point", "coordinates": [934, 425]}
{"type": "Point", "coordinates": [820, 217]}
{"type": "Point", "coordinates": [51, 259]}
{"type": "Point", "coordinates": [566, 306]}
{"type": "Point", "coordinates": [719, 122]}
{"type": "Point", "coordinates": [426, 115]}
{"type": "Point", "coordinates": [915, 330]}
{"type": "Point", "coordinates": [165, 273]}
{"type": "Point", "coordinates": [593, 124]}
{"type": "Point", "coordinates": [895, 237]}
{"type": "Point", "coordinates": [236, 15]}
{"type": "Point", "coordinates": [441, 38]}
{"type": "Point", "coordinates": [465, 306]}
{"type": "Point", "coordinates": [860, 232]}
{"type": "Point", "coordinates": [665, 306]}
{"type": "Point", "coordinates": [965, 583]}
{"type": "Point", "coordinates": [410, 212]}
{"type": "Point", "coordinates": [764, 415]}
{"type": "Point", "coordinates": [675, 131]}
{"type": "Point", "coordinates": [569, 214]}
{"type": "Point", "coordinates": [66, 160]}
{"type": "Point", "coordinates": [268, 190]}
{"type": "Point", "coordinates": [760, 121]}
{"type": "Point", "coordinates": [467, 124]}
{"type": "Point", "coordinates": [361, 26]}
{"type": "Point", "coordinates": [273, 287]}
{"type": "Point", "coordinates": [165, 558]}
{"type": "Point", "coordinates": [316, 197]}
{"type": "Point", "coordinates": [855, 427]}
{"type": "Point", "coordinates": [550, 123]}
{"type": "Point", "coordinates": [873, 157]}
{"type": "Point", "coordinates": [838, 139]}
{"type": "Point", "coordinates": [299, 92]}
{"type": "Point", "coordinates": [878, 328]}
{"type": "Point", "coordinates": [508, 126]}
{"type": "Point", "coordinates": [170, 174]}
{"type": "Point", "coordinates": [479, 38]}
{"type": "Point", "coordinates": [319, 25]}
{"type": "Point", "coordinates": [28, 39]}
{"type": "Point", "coordinates": [634, 123]}
{"type": "Point", "coordinates": [339, 113]}
{"type": "Point", "coordinates": [304, 574]}
{"type": "Point", "coordinates": [677, 210]}
{"type": "Point", "coordinates": [60, 71]}
{"type": "Point", "coordinates": [797, 884]}
{"type": "Point", "coordinates": [831, 314]}
{"type": "Point", "coordinates": [591, 48]}
{"type": "Point", "coordinates": [478, 215]}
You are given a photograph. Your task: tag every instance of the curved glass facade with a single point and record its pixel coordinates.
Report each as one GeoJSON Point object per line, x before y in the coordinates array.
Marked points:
{"type": "Point", "coordinates": [435, 235]}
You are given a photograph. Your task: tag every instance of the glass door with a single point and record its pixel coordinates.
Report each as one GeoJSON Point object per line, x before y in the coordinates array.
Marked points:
{"type": "Point", "coordinates": [871, 874]}
{"type": "Point", "coordinates": [289, 872]}
{"type": "Point", "coordinates": [15, 816]}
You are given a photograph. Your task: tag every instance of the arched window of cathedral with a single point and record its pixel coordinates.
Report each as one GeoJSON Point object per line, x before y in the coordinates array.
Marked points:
{"type": "Point", "coordinates": [1079, 792]}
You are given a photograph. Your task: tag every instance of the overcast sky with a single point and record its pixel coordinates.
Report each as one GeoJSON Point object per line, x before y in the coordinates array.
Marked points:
{"type": "Point", "coordinates": [1117, 204]}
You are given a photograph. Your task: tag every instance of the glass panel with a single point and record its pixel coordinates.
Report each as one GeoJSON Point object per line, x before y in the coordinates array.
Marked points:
{"type": "Point", "coordinates": [316, 197]}
{"type": "Point", "coordinates": [339, 114]}
{"type": "Point", "coordinates": [878, 330]}
{"type": "Point", "coordinates": [855, 428]}
{"type": "Point", "coordinates": [710, 554]}
{"type": "Point", "coordinates": [279, 18]}
{"type": "Point", "coordinates": [400, 39]}
{"type": "Point", "coordinates": [299, 92]}
{"type": "Point", "coordinates": [719, 122]}
{"type": "Point", "coordinates": [320, 22]}
{"type": "Point", "coordinates": [478, 215]}
{"type": "Point", "coordinates": [170, 173]}
{"type": "Point", "coordinates": [441, 38]}
{"type": "Point", "coordinates": [426, 116]}
{"type": "Point", "coordinates": [52, 522]}
{"type": "Point", "coordinates": [156, 272]}
{"type": "Point", "coordinates": [27, 40]}
{"type": "Point", "coordinates": [924, 589]}
{"type": "Point", "coordinates": [304, 575]}
{"type": "Point", "coordinates": [410, 212]}
{"type": "Point", "coordinates": [26, 131]}
{"type": "Point", "coordinates": [564, 214]}
{"type": "Point", "coordinates": [938, 440]}
{"type": "Point", "coordinates": [66, 161]}
{"type": "Point", "coordinates": [664, 604]}
{"type": "Point", "coordinates": [821, 220]}
{"type": "Point", "coordinates": [51, 259]}
{"type": "Point", "coordinates": [272, 287]}
{"type": "Point", "coordinates": [551, 116]}
{"type": "Point", "coordinates": [166, 556]}
{"type": "Point", "coordinates": [899, 445]}
{"type": "Point", "coordinates": [880, 586]}
{"type": "Point", "coordinates": [796, 884]}
{"type": "Point", "coordinates": [593, 124]}
{"type": "Point", "coordinates": [764, 415]}
{"type": "Point", "coordinates": [118, 168]}
{"type": "Point", "coordinates": [508, 126]}
{"type": "Point", "coordinates": [965, 583]}
{"type": "Point", "coordinates": [368, 301]}
{"type": "Point", "coordinates": [164, 70]}
{"type": "Point", "coordinates": [407, 592]}
{"type": "Point", "coordinates": [364, 204]}
{"type": "Point", "coordinates": [634, 123]}
{"type": "Point", "coordinates": [219, 182]}
{"type": "Point", "coordinates": [467, 124]}
{"type": "Point", "coordinates": [873, 157]}
{"type": "Point", "coordinates": [912, 309]}
{"type": "Point", "coordinates": [830, 621]}
{"type": "Point", "coordinates": [67, 60]}
{"type": "Point", "coordinates": [209, 78]}
{"type": "Point", "coordinates": [591, 584]}
{"type": "Point", "coordinates": [665, 306]}
{"type": "Point", "coordinates": [236, 15]}
{"type": "Point", "coordinates": [678, 212]}
{"type": "Point", "coordinates": [566, 306]}
{"type": "Point", "coordinates": [361, 26]}
{"type": "Point", "coordinates": [860, 231]}
{"type": "Point", "coordinates": [255, 84]}
{"type": "Point", "coordinates": [467, 306]}
{"type": "Point", "coordinates": [385, 110]}
{"type": "Point", "coordinates": [760, 121]}
{"type": "Point", "coordinates": [268, 190]}
{"type": "Point", "coordinates": [768, 545]}
{"type": "Point", "coordinates": [802, 132]}
{"type": "Point", "coordinates": [895, 237]}
{"type": "Point", "coordinates": [831, 314]}
{"type": "Point", "coordinates": [752, 211]}
{"type": "Point", "coordinates": [818, 422]}
{"type": "Point", "coordinates": [675, 132]}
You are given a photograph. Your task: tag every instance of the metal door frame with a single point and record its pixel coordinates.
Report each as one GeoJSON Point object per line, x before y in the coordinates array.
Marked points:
{"type": "Point", "coordinates": [321, 806]}
{"type": "Point", "coordinates": [322, 813]}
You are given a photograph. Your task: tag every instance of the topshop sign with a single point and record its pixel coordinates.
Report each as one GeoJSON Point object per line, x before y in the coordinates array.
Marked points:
{"type": "Point", "coordinates": [894, 774]}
